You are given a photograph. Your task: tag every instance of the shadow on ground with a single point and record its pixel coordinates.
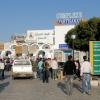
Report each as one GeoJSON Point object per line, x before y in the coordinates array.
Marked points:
{"type": "Point", "coordinates": [3, 85]}
{"type": "Point", "coordinates": [23, 78]}
{"type": "Point", "coordinates": [62, 86]}
{"type": "Point", "coordinates": [77, 86]}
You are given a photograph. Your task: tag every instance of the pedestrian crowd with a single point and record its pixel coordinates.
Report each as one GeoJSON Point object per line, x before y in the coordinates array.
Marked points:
{"type": "Point", "coordinates": [48, 68]}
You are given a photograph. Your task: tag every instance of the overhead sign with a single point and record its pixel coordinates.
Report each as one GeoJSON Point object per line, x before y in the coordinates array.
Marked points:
{"type": "Point", "coordinates": [69, 15]}
{"type": "Point", "coordinates": [95, 57]}
{"type": "Point", "coordinates": [69, 18]}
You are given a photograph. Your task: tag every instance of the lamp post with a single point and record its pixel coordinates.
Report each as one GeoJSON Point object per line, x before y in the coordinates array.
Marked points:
{"type": "Point", "coordinates": [73, 36]}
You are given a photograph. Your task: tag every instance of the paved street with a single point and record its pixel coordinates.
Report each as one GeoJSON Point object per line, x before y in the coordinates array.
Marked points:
{"type": "Point", "coordinates": [34, 89]}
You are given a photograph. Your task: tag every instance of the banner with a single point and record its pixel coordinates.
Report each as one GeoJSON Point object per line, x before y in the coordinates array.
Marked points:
{"type": "Point", "coordinates": [95, 57]}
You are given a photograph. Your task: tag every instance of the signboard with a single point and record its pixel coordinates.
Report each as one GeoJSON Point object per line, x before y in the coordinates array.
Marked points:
{"type": "Point", "coordinates": [63, 46]}
{"type": "Point", "coordinates": [69, 18]}
{"type": "Point", "coordinates": [69, 15]}
{"type": "Point", "coordinates": [95, 57]}
{"type": "Point", "coordinates": [40, 36]}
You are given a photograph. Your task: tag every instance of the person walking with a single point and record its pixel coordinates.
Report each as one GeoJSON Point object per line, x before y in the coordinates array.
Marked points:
{"type": "Point", "coordinates": [2, 68]}
{"type": "Point", "coordinates": [68, 71]}
{"type": "Point", "coordinates": [40, 68]}
{"type": "Point", "coordinates": [77, 71]}
{"type": "Point", "coordinates": [54, 66]}
{"type": "Point", "coordinates": [50, 68]}
{"type": "Point", "coordinates": [86, 75]}
{"type": "Point", "coordinates": [46, 71]}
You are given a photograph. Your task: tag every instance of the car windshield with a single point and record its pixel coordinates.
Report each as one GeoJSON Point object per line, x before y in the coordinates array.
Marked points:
{"type": "Point", "coordinates": [22, 62]}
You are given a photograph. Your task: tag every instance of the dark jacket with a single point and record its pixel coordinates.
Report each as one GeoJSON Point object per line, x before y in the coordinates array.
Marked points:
{"type": "Point", "coordinates": [69, 68]}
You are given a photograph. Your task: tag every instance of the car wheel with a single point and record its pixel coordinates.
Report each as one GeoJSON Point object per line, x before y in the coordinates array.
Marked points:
{"type": "Point", "coordinates": [31, 77]}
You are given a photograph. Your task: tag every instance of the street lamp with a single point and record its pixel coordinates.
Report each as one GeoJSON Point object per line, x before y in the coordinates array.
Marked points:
{"type": "Point", "coordinates": [73, 36]}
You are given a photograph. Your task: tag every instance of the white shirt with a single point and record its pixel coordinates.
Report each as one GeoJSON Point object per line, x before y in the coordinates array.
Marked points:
{"type": "Point", "coordinates": [85, 68]}
{"type": "Point", "coordinates": [1, 65]}
{"type": "Point", "coordinates": [54, 64]}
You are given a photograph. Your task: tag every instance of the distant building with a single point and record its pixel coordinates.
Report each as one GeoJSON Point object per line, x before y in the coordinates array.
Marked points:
{"type": "Point", "coordinates": [52, 41]}
{"type": "Point", "coordinates": [1, 46]}
{"type": "Point", "coordinates": [18, 38]}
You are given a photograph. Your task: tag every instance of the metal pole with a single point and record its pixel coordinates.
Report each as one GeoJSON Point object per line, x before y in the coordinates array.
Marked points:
{"type": "Point", "coordinates": [73, 37]}
{"type": "Point", "coordinates": [73, 49]}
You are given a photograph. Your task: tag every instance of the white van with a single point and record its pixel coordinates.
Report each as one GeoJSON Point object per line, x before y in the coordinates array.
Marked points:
{"type": "Point", "coordinates": [22, 68]}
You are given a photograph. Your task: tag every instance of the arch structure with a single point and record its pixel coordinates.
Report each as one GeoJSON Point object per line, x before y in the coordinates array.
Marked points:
{"type": "Point", "coordinates": [33, 48]}
{"type": "Point", "coordinates": [25, 49]}
{"type": "Point", "coordinates": [46, 51]}
{"type": "Point", "coordinates": [46, 46]}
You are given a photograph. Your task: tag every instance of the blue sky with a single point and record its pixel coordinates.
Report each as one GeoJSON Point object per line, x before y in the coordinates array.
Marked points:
{"type": "Point", "coordinates": [18, 16]}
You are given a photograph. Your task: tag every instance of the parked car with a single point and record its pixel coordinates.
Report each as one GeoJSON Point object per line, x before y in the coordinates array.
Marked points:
{"type": "Point", "coordinates": [22, 68]}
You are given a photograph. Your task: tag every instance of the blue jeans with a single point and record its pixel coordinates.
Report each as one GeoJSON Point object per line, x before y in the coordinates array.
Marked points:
{"type": "Point", "coordinates": [55, 73]}
{"type": "Point", "coordinates": [86, 79]}
{"type": "Point", "coordinates": [40, 72]}
{"type": "Point", "coordinates": [69, 84]}
{"type": "Point", "coordinates": [45, 76]}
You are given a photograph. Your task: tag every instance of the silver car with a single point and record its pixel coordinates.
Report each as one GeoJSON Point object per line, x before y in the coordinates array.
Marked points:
{"type": "Point", "coordinates": [22, 68]}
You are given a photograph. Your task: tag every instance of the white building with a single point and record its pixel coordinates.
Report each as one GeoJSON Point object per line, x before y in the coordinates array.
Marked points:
{"type": "Point", "coordinates": [53, 40]}
{"type": "Point", "coordinates": [60, 32]}
{"type": "Point", "coordinates": [44, 39]}
{"type": "Point", "coordinates": [48, 40]}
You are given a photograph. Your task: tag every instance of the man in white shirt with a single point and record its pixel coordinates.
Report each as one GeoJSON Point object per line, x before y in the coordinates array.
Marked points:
{"type": "Point", "coordinates": [54, 66]}
{"type": "Point", "coordinates": [86, 75]}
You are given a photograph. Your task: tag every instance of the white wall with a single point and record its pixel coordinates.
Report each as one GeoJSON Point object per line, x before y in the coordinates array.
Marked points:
{"type": "Point", "coordinates": [60, 32]}
{"type": "Point", "coordinates": [7, 45]}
